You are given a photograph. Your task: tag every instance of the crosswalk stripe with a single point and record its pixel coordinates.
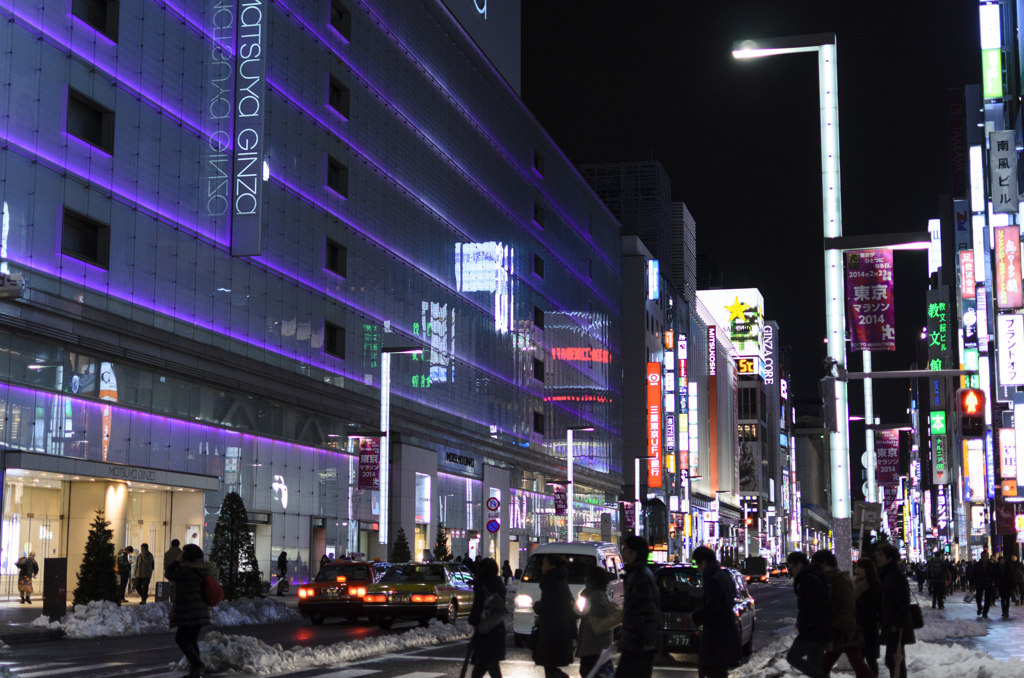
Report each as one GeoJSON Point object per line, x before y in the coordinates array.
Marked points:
{"type": "Point", "coordinates": [56, 672]}
{"type": "Point", "coordinates": [420, 674]}
{"type": "Point", "coordinates": [349, 673]}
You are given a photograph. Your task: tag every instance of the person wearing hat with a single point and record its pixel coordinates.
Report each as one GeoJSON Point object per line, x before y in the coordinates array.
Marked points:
{"type": "Point", "coordinates": [27, 569]}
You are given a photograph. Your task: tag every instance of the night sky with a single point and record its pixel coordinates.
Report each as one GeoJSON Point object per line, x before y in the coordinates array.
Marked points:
{"type": "Point", "coordinates": [615, 81]}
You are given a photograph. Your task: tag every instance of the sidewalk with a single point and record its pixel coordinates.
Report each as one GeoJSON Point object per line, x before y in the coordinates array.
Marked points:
{"type": "Point", "coordinates": [1005, 637]}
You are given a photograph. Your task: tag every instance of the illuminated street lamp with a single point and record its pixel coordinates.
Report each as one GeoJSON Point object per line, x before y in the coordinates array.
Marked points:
{"type": "Point", "coordinates": [568, 463]}
{"type": "Point", "coordinates": [835, 321]}
{"type": "Point", "coordinates": [385, 447]}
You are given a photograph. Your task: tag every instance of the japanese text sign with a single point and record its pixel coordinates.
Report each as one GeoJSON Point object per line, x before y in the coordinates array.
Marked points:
{"type": "Point", "coordinates": [1007, 292]}
{"type": "Point", "coordinates": [369, 463]}
{"type": "Point", "coordinates": [887, 451]}
{"type": "Point", "coordinates": [938, 338]}
{"type": "Point", "coordinates": [561, 500]}
{"type": "Point", "coordinates": [940, 459]}
{"type": "Point", "coordinates": [654, 424]}
{"type": "Point", "coordinates": [869, 299]}
{"type": "Point", "coordinates": [967, 281]}
{"type": "Point", "coordinates": [1010, 344]}
{"type": "Point", "coordinates": [1007, 453]}
{"type": "Point", "coordinates": [1002, 160]}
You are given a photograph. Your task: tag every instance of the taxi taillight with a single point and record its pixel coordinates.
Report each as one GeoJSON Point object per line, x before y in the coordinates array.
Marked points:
{"type": "Point", "coordinates": [342, 579]}
{"type": "Point", "coordinates": [305, 593]}
{"type": "Point", "coordinates": [376, 598]}
{"type": "Point", "coordinates": [424, 598]}
{"type": "Point", "coordinates": [358, 591]}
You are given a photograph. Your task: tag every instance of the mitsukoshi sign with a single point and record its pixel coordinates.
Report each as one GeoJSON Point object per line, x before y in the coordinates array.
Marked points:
{"type": "Point", "coordinates": [250, 109]}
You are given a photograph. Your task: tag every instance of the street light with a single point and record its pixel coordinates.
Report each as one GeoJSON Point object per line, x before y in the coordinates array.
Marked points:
{"type": "Point", "coordinates": [385, 447]}
{"type": "Point", "coordinates": [568, 464]}
{"type": "Point", "coordinates": [835, 321]}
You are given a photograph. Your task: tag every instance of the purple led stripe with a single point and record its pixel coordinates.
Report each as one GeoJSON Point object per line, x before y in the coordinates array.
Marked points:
{"type": "Point", "coordinates": [407, 119]}
{"type": "Point", "coordinates": [465, 111]}
{"type": "Point", "coordinates": [196, 24]}
{"type": "Point", "coordinates": [103, 51]}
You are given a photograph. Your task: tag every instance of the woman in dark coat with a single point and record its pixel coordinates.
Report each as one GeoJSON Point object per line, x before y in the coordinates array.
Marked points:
{"type": "Point", "coordinates": [556, 619]}
{"type": "Point", "coordinates": [597, 605]}
{"type": "Point", "coordinates": [867, 589]}
{"type": "Point", "coordinates": [720, 641]}
{"type": "Point", "coordinates": [506, 572]}
{"type": "Point", "coordinates": [190, 611]}
{"type": "Point", "coordinates": [897, 626]}
{"type": "Point", "coordinates": [489, 647]}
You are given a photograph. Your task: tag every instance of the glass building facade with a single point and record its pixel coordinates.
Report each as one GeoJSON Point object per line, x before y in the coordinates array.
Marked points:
{"type": "Point", "coordinates": [406, 197]}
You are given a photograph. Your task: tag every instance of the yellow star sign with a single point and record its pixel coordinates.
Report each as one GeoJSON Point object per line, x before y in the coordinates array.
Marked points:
{"type": "Point", "coordinates": [737, 310]}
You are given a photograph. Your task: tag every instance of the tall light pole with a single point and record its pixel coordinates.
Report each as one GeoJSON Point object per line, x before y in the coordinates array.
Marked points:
{"type": "Point", "coordinates": [385, 446]}
{"type": "Point", "coordinates": [572, 488]}
{"type": "Point", "coordinates": [835, 321]}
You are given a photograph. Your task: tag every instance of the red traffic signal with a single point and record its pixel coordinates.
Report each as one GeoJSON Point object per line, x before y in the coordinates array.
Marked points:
{"type": "Point", "coordinates": [970, 404]}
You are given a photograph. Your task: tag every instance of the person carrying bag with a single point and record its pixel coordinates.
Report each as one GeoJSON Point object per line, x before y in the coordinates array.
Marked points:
{"type": "Point", "coordinates": [600, 617]}
{"type": "Point", "coordinates": [487, 617]}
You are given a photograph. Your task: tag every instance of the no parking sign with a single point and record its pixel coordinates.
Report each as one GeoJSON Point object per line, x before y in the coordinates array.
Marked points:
{"type": "Point", "coordinates": [494, 518]}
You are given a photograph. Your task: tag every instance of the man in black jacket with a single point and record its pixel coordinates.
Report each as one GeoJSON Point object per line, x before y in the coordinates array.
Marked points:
{"type": "Point", "coordinates": [641, 614]}
{"type": "Point", "coordinates": [719, 638]}
{"type": "Point", "coordinates": [895, 623]}
{"type": "Point", "coordinates": [812, 615]}
{"type": "Point", "coordinates": [984, 582]}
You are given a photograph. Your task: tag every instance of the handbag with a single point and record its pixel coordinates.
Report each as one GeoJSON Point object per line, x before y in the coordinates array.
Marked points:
{"type": "Point", "coordinates": [916, 617]}
{"type": "Point", "coordinates": [600, 625]}
{"type": "Point", "coordinates": [969, 598]}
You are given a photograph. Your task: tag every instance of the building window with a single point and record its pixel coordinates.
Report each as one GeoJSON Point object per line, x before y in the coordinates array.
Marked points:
{"type": "Point", "coordinates": [100, 14]}
{"type": "Point", "coordinates": [90, 122]}
{"type": "Point", "coordinates": [538, 214]}
{"type": "Point", "coordinates": [337, 96]}
{"type": "Point", "coordinates": [538, 266]}
{"type": "Point", "coordinates": [341, 19]}
{"type": "Point", "coordinates": [84, 238]}
{"type": "Point", "coordinates": [538, 423]}
{"type": "Point", "coordinates": [538, 163]}
{"type": "Point", "coordinates": [334, 340]}
{"type": "Point", "coordinates": [538, 318]}
{"type": "Point", "coordinates": [337, 177]}
{"type": "Point", "coordinates": [590, 268]}
{"type": "Point", "coordinates": [538, 370]}
{"type": "Point", "coordinates": [336, 258]}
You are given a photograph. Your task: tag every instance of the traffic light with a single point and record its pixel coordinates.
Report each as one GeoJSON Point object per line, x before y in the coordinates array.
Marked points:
{"type": "Point", "coordinates": [970, 403]}
{"type": "Point", "coordinates": [750, 521]}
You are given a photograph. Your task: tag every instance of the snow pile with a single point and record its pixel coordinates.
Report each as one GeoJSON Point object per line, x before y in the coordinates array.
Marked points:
{"type": "Point", "coordinates": [935, 661]}
{"type": "Point", "coordinates": [937, 628]}
{"type": "Point", "coordinates": [249, 655]}
{"type": "Point", "coordinates": [104, 618]}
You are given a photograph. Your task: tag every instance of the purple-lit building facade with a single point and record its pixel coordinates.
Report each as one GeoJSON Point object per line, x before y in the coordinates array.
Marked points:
{"type": "Point", "coordinates": [204, 311]}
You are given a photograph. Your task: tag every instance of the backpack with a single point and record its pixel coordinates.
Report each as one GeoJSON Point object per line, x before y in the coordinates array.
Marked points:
{"type": "Point", "coordinates": [936, 570]}
{"type": "Point", "coordinates": [213, 590]}
{"type": "Point", "coordinates": [494, 613]}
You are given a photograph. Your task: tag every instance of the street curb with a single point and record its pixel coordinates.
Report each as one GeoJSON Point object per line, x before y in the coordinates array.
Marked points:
{"type": "Point", "coordinates": [24, 636]}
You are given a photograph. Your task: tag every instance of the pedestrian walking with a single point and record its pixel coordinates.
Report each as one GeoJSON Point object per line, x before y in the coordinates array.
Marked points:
{"type": "Point", "coordinates": [720, 642]}
{"type": "Point", "coordinates": [846, 636]}
{"type": "Point", "coordinates": [190, 611]}
{"type": "Point", "coordinates": [144, 566]}
{"type": "Point", "coordinates": [812, 616]}
{"type": "Point", "coordinates": [282, 571]}
{"type": "Point", "coordinates": [488, 646]}
{"type": "Point", "coordinates": [1018, 577]}
{"type": "Point", "coordinates": [28, 568]}
{"type": "Point", "coordinates": [596, 608]}
{"type": "Point", "coordinates": [556, 618]}
{"type": "Point", "coordinates": [969, 575]}
{"type": "Point", "coordinates": [506, 572]}
{"type": "Point", "coordinates": [124, 571]}
{"type": "Point", "coordinates": [172, 554]}
{"type": "Point", "coordinates": [867, 591]}
{"type": "Point", "coordinates": [921, 574]}
{"type": "Point", "coordinates": [985, 573]}
{"type": "Point", "coordinates": [937, 574]}
{"type": "Point", "coordinates": [896, 625]}
{"type": "Point", "coordinates": [640, 638]}
{"type": "Point", "coordinates": [1006, 585]}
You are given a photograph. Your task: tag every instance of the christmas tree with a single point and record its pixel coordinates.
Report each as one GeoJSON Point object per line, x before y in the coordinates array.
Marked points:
{"type": "Point", "coordinates": [96, 577]}
{"type": "Point", "coordinates": [441, 550]}
{"type": "Point", "coordinates": [234, 552]}
{"type": "Point", "coordinates": [400, 552]}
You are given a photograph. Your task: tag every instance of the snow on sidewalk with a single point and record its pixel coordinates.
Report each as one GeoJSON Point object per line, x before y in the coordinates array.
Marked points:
{"type": "Point", "coordinates": [103, 618]}
{"type": "Point", "coordinates": [938, 627]}
{"type": "Point", "coordinates": [249, 655]}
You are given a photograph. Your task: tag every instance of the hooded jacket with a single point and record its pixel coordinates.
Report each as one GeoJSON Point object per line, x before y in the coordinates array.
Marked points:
{"type": "Point", "coordinates": [190, 607]}
{"type": "Point", "coordinates": [720, 637]}
{"type": "Point", "coordinates": [641, 611]}
{"type": "Point", "coordinates": [490, 646]}
{"type": "Point", "coordinates": [894, 611]}
{"type": "Point", "coordinates": [812, 605]}
{"type": "Point", "coordinates": [843, 610]}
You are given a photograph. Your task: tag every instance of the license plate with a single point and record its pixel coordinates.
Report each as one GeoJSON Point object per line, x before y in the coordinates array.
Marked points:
{"type": "Point", "coordinates": [333, 594]}
{"type": "Point", "coordinates": [679, 641]}
{"type": "Point", "coordinates": [400, 598]}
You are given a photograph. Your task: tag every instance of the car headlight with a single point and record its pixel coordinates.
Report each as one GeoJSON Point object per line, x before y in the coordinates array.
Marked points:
{"type": "Point", "coordinates": [523, 601]}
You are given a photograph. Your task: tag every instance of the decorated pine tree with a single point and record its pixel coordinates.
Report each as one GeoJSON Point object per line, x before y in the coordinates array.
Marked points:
{"type": "Point", "coordinates": [400, 552]}
{"type": "Point", "coordinates": [96, 577]}
{"type": "Point", "coordinates": [441, 550]}
{"type": "Point", "coordinates": [234, 552]}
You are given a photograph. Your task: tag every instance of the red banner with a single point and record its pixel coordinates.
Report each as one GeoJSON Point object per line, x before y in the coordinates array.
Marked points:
{"type": "Point", "coordinates": [869, 300]}
{"type": "Point", "coordinates": [1007, 292]}
{"type": "Point", "coordinates": [967, 282]}
{"type": "Point", "coordinates": [369, 464]}
{"type": "Point", "coordinates": [887, 452]}
{"type": "Point", "coordinates": [654, 424]}
{"type": "Point", "coordinates": [561, 500]}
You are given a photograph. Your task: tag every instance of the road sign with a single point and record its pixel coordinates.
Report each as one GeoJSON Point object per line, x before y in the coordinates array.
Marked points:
{"type": "Point", "coordinates": [872, 515]}
{"type": "Point", "coordinates": [493, 504]}
{"type": "Point", "coordinates": [493, 526]}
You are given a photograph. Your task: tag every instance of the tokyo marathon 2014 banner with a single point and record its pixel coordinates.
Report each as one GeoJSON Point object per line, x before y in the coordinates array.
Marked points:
{"type": "Point", "coordinates": [887, 452]}
{"type": "Point", "coordinates": [870, 301]}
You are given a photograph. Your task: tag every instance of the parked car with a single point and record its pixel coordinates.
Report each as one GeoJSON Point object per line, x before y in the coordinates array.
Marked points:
{"type": "Point", "coordinates": [580, 556]}
{"type": "Point", "coordinates": [421, 592]}
{"type": "Point", "coordinates": [337, 591]}
{"type": "Point", "coordinates": [682, 592]}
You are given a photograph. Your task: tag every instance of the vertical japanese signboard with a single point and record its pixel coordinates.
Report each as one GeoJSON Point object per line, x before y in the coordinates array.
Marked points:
{"type": "Point", "coordinates": [561, 500]}
{"type": "Point", "coordinates": [887, 451]}
{"type": "Point", "coordinates": [1010, 343]}
{"type": "Point", "coordinates": [967, 274]}
{"type": "Point", "coordinates": [654, 424]}
{"type": "Point", "coordinates": [250, 109]}
{"type": "Point", "coordinates": [940, 459]}
{"type": "Point", "coordinates": [683, 428]}
{"type": "Point", "coordinates": [1007, 254]}
{"type": "Point", "coordinates": [369, 464]}
{"type": "Point", "coordinates": [1002, 164]}
{"type": "Point", "coordinates": [712, 353]}
{"type": "Point", "coordinates": [939, 333]}
{"type": "Point", "coordinates": [1007, 453]}
{"type": "Point", "coordinates": [869, 299]}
